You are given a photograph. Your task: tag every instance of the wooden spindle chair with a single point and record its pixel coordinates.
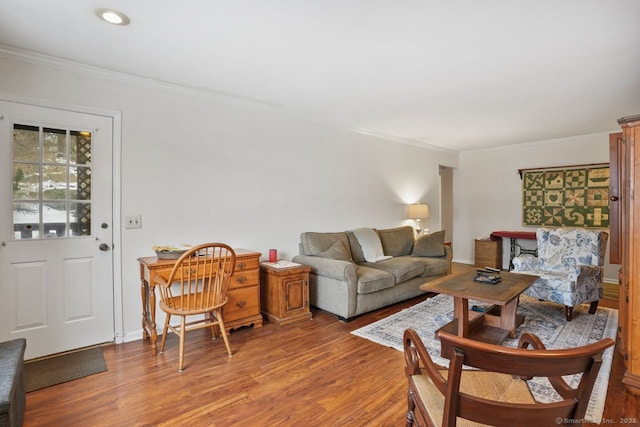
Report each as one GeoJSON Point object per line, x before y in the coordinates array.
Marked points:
{"type": "Point", "coordinates": [197, 285]}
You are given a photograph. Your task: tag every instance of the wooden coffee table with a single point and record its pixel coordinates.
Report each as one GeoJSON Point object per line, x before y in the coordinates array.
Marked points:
{"type": "Point", "coordinates": [498, 321]}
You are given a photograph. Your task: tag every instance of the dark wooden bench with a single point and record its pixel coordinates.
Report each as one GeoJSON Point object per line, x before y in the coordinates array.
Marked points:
{"type": "Point", "coordinates": [12, 392]}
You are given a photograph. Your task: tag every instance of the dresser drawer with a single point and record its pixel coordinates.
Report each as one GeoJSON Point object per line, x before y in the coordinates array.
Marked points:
{"type": "Point", "coordinates": [244, 278]}
{"type": "Point", "coordinates": [243, 302]}
{"type": "Point", "coordinates": [150, 275]}
{"type": "Point", "coordinates": [246, 263]}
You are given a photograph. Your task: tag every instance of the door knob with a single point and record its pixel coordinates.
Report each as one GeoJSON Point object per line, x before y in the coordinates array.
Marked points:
{"type": "Point", "coordinates": [104, 247]}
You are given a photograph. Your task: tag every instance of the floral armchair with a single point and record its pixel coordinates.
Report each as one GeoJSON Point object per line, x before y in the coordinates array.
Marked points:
{"type": "Point", "coordinates": [570, 264]}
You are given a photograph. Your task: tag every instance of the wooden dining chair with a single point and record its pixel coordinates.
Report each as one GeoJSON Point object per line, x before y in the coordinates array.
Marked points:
{"type": "Point", "coordinates": [197, 285]}
{"type": "Point", "coordinates": [496, 392]}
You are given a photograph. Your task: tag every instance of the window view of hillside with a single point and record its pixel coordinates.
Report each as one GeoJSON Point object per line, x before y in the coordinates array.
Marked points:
{"type": "Point", "coordinates": [51, 182]}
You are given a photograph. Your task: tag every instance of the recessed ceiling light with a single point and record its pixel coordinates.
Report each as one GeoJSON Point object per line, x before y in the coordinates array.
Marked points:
{"type": "Point", "coordinates": [113, 16]}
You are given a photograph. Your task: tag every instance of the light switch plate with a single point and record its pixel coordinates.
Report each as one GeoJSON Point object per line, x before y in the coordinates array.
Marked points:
{"type": "Point", "coordinates": [133, 221]}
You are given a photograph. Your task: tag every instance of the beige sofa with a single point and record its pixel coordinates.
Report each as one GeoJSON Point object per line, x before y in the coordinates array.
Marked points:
{"type": "Point", "coordinates": [344, 283]}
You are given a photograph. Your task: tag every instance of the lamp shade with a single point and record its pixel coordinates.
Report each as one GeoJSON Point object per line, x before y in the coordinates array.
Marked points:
{"type": "Point", "coordinates": [418, 211]}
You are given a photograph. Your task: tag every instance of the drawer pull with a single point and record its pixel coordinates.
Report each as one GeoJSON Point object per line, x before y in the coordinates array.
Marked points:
{"type": "Point", "coordinates": [241, 265]}
{"type": "Point", "coordinates": [192, 271]}
{"type": "Point", "coordinates": [241, 279]}
{"type": "Point", "coordinates": [241, 304]}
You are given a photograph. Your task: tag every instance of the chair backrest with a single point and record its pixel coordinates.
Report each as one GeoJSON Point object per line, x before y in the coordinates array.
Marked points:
{"type": "Point", "coordinates": [200, 278]}
{"type": "Point", "coordinates": [560, 249]}
{"type": "Point", "coordinates": [517, 362]}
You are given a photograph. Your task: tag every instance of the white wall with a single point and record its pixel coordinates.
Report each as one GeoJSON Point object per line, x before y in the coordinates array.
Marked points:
{"type": "Point", "coordinates": [198, 169]}
{"type": "Point", "coordinates": [487, 195]}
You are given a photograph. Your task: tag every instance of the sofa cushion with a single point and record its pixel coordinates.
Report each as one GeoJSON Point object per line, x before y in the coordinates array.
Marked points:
{"type": "Point", "coordinates": [429, 245]}
{"type": "Point", "coordinates": [316, 243]}
{"type": "Point", "coordinates": [336, 251]}
{"type": "Point", "coordinates": [402, 268]}
{"type": "Point", "coordinates": [373, 279]}
{"type": "Point", "coordinates": [397, 241]}
{"type": "Point", "coordinates": [434, 266]}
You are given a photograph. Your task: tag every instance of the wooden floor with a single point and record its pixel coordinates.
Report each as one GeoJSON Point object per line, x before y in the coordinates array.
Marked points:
{"type": "Point", "coordinates": [313, 373]}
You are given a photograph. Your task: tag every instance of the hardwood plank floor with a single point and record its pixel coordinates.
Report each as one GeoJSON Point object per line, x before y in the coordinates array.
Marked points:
{"type": "Point", "coordinates": [313, 373]}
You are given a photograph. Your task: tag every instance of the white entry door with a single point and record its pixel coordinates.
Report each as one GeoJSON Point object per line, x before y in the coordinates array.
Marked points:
{"type": "Point", "coordinates": [56, 258]}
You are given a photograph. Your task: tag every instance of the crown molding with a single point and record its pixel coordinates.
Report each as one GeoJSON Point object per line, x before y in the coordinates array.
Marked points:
{"type": "Point", "coordinates": [52, 62]}
{"type": "Point", "coordinates": [407, 141]}
{"type": "Point", "coordinates": [40, 59]}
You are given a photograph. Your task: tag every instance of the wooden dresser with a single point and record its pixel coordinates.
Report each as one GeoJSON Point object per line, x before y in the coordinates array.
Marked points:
{"type": "Point", "coordinates": [243, 308]}
{"type": "Point", "coordinates": [624, 160]}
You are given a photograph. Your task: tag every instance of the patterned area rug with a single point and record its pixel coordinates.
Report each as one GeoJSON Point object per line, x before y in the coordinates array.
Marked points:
{"type": "Point", "coordinates": [546, 320]}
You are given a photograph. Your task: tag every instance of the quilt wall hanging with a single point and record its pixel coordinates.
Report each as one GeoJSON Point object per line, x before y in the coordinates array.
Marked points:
{"type": "Point", "coordinates": [566, 196]}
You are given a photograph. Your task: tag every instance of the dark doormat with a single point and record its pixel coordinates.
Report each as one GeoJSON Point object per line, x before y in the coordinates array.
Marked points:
{"type": "Point", "coordinates": [62, 368]}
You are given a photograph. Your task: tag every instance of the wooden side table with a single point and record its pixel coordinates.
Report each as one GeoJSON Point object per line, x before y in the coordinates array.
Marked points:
{"type": "Point", "coordinates": [284, 292]}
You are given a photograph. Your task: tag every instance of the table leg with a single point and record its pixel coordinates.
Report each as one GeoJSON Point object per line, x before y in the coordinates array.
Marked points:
{"type": "Point", "coordinates": [461, 312]}
{"type": "Point", "coordinates": [152, 309]}
{"type": "Point", "coordinates": [149, 315]}
{"type": "Point", "coordinates": [143, 291]}
{"type": "Point", "coordinates": [508, 317]}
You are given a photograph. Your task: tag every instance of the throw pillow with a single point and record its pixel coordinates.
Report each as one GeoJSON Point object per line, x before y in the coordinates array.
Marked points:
{"type": "Point", "coordinates": [430, 245]}
{"type": "Point", "coordinates": [336, 251]}
{"type": "Point", "coordinates": [313, 243]}
{"type": "Point", "coordinates": [397, 241]}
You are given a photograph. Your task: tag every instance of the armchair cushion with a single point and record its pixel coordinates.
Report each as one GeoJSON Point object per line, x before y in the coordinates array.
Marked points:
{"type": "Point", "coordinates": [562, 250]}
{"type": "Point", "coordinates": [525, 262]}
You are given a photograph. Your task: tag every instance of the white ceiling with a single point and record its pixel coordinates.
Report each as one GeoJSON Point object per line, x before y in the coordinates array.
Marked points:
{"type": "Point", "coordinates": [459, 74]}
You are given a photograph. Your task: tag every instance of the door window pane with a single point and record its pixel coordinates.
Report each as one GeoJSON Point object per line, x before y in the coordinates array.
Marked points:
{"type": "Point", "coordinates": [26, 143]}
{"type": "Point", "coordinates": [51, 182]}
{"type": "Point", "coordinates": [54, 145]}
{"type": "Point", "coordinates": [26, 220]}
{"type": "Point", "coordinates": [80, 219]}
{"type": "Point", "coordinates": [54, 182]}
{"type": "Point", "coordinates": [80, 183]}
{"type": "Point", "coordinates": [54, 219]}
{"type": "Point", "coordinates": [26, 181]}
{"type": "Point", "coordinates": [80, 150]}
